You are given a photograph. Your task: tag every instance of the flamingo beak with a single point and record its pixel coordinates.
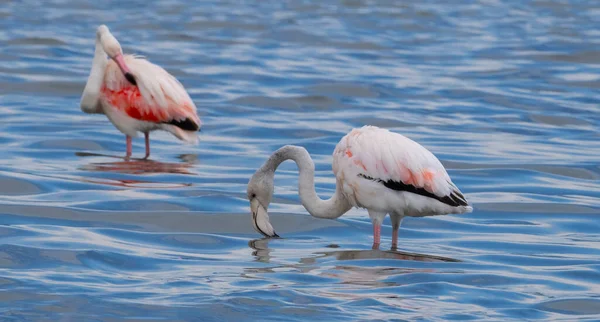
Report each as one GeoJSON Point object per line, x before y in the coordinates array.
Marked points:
{"type": "Point", "coordinates": [260, 219]}
{"type": "Point", "coordinates": [123, 67]}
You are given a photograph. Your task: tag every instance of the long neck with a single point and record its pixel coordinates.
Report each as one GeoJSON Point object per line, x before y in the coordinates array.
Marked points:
{"type": "Point", "coordinates": [90, 99]}
{"type": "Point", "coordinates": [331, 208]}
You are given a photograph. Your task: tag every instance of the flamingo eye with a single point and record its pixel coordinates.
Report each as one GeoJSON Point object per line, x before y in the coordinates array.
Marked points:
{"type": "Point", "coordinates": [253, 195]}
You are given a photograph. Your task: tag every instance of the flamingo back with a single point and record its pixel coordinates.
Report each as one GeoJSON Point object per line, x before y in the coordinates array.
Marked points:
{"type": "Point", "coordinates": [393, 161]}
{"type": "Point", "coordinates": [158, 97]}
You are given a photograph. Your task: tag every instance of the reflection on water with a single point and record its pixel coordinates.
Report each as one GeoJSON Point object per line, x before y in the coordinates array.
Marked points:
{"type": "Point", "coordinates": [260, 249]}
{"type": "Point", "coordinates": [378, 254]}
{"type": "Point", "coordinates": [140, 166]}
{"type": "Point", "coordinates": [262, 253]}
{"type": "Point", "coordinates": [503, 92]}
{"type": "Point", "coordinates": [356, 268]}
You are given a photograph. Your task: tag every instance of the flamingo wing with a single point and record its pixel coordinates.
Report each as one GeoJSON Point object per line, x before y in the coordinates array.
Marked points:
{"type": "Point", "coordinates": [158, 97]}
{"type": "Point", "coordinates": [395, 161]}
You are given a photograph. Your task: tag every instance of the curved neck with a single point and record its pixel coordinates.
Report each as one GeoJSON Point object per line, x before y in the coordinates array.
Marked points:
{"type": "Point", "coordinates": [331, 208]}
{"type": "Point", "coordinates": [90, 100]}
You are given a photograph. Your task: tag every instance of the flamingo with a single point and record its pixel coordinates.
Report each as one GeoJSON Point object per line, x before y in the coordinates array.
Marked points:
{"type": "Point", "coordinates": [137, 95]}
{"type": "Point", "coordinates": [382, 171]}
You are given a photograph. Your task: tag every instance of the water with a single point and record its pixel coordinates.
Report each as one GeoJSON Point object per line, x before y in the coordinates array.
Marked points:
{"type": "Point", "coordinates": [504, 93]}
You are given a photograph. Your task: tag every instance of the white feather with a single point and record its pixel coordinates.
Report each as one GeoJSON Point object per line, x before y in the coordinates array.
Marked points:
{"type": "Point", "coordinates": [384, 155]}
{"type": "Point", "coordinates": [158, 87]}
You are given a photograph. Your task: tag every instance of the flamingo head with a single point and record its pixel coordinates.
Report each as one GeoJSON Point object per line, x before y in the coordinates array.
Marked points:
{"type": "Point", "coordinates": [260, 193]}
{"type": "Point", "coordinates": [112, 48]}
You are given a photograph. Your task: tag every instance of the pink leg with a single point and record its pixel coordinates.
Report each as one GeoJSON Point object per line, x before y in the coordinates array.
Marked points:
{"type": "Point", "coordinates": [147, 134]}
{"type": "Point", "coordinates": [395, 238]}
{"type": "Point", "coordinates": [396, 220]}
{"type": "Point", "coordinates": [376, 219]}
{"type": "Point", "coordinates": [376, 236]}
{"type": "Point", "coordinates": [128, 140]}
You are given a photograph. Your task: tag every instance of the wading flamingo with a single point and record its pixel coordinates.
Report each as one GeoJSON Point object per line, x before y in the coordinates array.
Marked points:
{"type": "Point", "coordinates": [136, 95]}
{"type": "Point", "coordinates": [382, 171]}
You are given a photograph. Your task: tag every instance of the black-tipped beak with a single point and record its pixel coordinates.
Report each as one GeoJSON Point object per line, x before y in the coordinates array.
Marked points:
{"type": "Point", "coordinates": [260, 220]}
{"type": "Point", "coordinates": [124, 69]}
{"type": "Point", "coordinates": [130, 78]}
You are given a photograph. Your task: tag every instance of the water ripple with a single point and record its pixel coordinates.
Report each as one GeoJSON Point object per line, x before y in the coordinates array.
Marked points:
{"type": "Point", "coordinates": [504, 93]}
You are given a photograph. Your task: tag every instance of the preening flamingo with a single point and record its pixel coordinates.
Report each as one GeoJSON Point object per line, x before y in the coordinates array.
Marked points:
{"type": "Point", "coordinates": [382, 171]}
{"type": "Point", "coordinates": [136, 95]}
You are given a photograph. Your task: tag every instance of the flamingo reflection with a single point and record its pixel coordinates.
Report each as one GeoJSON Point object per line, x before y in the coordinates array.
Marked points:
{"type": "Point", "coordinates": [343, 267]}
{"type": "Point", "coordinates": [137, 167]}
{"type": "Point", "coordinates": [262, 253]}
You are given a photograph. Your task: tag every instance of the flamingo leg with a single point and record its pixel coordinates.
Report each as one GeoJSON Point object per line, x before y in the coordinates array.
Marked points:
{"type": "Point", "coordinates": [376, 219]}
{"type": "Point", "coordinates": [128, 153]}
{"type": "Point", "coordinates": [396, 220]}
{"type": "Point", "coordinates": [147, 135]}
{"type": "Point", "coordinates": [376, 236]}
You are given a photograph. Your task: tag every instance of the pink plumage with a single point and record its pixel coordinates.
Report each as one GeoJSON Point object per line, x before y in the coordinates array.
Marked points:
{"type": "Point", "coordinates": [381, 171]}
{"type": "Point", "coordinates": [136, 95]}
{"type": "Point", "coordinates": [370, 161]}
{"type": "Point", "coordinates": [167, 101]}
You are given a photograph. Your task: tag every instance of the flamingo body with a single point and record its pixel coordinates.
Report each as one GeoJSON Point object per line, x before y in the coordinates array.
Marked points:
{"type": "Point", "coordinates": [387, 172]}
{"type": "Point", "coordinates": [158, 101]}
{"type": "Point", "coordinates": [382, 171]}
{"type": "Point", "coordinates": [137, 95]}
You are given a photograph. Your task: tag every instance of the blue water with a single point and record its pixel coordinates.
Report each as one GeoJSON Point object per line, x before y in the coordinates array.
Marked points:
{"type": "Point", "coordinates": [505, 93]}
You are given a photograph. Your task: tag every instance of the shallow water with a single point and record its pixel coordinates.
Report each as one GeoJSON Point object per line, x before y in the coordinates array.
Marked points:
{"type": "Point", "coordinates": [504, 93]}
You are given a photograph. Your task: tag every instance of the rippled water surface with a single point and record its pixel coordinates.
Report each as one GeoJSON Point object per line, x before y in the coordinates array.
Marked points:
{"type": "Point", "coordinates": [505, 93]}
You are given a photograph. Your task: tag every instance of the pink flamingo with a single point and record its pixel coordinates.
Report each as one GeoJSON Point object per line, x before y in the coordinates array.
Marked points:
{"type": "Point", "coordinates": [136, 95]}
{"type": "Point", "coordinates": [382, 171]}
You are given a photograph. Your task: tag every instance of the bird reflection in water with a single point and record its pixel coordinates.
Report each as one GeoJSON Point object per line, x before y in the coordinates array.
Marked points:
{"type": "Point", "coordinates": [382, 254]}
{"type": "Point", "coordinates": [137, 167]}
{"type": "Point", "coordinates": [261, 249]}
{"type": "Point", "coordinates": [377, 275]}
{"type": "Point", "coordinates": [349, 274]}
{"type": "Point", "coordinates": [262, 254]}
{"type": "Point", "coordinates": [140, 166]}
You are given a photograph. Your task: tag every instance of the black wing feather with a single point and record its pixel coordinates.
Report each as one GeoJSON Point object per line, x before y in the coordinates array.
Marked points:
{"type": "Point", "coordinates": [186, 125]}
{"type": "Point", "coordinates": [455, 199]}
